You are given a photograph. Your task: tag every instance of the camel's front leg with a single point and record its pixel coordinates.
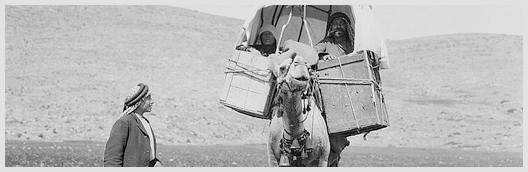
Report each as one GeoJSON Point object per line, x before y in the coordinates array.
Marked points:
{"type": "Point", "coordinates": [323, 162]}
{"type": "Point", "coordinates": [324, 153]}
{"type": "Point", "coordinates": [275, 136]}
{"type": "Point", "coordinates": [272, 161]}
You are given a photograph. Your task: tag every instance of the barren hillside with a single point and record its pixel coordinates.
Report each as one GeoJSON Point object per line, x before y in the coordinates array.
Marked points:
{"type": "Point", "coordinates": [69, 68]}
{"type": "Point", "coordinates": [455, 91]}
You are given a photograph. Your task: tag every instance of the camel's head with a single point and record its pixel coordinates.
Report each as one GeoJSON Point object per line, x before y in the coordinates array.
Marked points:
{"type": "Point", "coordinates": [293, 76]}
{"type": "Point", "coordinates": [293, 81]}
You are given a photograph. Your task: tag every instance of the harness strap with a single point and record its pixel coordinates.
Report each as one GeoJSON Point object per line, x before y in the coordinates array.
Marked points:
{"type": "Point", "coordinates": [286, 143]}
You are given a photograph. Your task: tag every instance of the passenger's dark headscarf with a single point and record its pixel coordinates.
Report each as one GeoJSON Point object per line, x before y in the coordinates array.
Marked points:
{"type": "Point", "coordinates": [349, 28]}
{"type": "Point", "coordinates": [266, 50]}
{"type": "Point", "coordinates": [269, 28]}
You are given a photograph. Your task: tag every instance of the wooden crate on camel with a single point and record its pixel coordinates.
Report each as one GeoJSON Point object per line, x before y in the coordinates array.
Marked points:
{"type": "Point", "coordinates": [248, 85]}
{"type": "Point", "coordinates": [352, 98]}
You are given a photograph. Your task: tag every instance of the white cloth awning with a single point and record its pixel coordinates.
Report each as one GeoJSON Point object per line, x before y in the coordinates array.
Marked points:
{"type": "Point", "coordinates": [313, 29]}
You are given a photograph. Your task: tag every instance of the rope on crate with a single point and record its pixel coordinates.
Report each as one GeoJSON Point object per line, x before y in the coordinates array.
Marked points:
{"type": "Point", "coordinates": [260, 74]}
{"type": "Point", "coordinates": [353, 81]}
{"type": "Point", "coordinates": [348, 93]}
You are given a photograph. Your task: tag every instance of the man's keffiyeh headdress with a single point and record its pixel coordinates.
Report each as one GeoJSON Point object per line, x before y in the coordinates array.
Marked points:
{"type": "Point", "coordinates": [135, 97]}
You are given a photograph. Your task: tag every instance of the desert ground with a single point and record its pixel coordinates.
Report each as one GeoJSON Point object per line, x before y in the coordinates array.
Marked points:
{"type": "Point", "coordinates": [69, 68]}
{"type": "Point", "coordinates": [89, 154]}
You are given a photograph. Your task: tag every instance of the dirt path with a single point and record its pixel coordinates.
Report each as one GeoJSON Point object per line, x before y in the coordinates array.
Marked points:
{"type": "Point", "coordinates": [90, 154]}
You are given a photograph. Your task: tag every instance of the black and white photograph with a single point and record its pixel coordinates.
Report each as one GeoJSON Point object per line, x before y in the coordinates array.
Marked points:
{"type": "Point", "coordinates": [263, 84]}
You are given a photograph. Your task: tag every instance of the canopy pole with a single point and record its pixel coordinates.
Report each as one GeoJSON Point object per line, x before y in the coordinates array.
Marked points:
{"type": "Point", "coordinates": [307, 27]}
{"type": "Point", "coordinates": [283, 28]}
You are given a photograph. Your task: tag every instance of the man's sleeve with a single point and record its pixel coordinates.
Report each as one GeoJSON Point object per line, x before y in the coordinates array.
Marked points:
{"type": "Point", "coordinates": [115, 147]}
{"type": "Point", "coordinates": [384, 57]}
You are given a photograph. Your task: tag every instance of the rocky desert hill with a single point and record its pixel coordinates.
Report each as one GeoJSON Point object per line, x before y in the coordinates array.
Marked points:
{"type": "Point", "coordinates": [69, 68]}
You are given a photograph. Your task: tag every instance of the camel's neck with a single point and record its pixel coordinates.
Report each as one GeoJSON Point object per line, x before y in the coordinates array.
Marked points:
{"type": "Point", "coordinates": [293, 115]}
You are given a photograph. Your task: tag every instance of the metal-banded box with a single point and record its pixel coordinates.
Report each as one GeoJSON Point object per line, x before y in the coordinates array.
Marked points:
{"type": "Point", "coordinates": [248, 85]}
{"type": "Point", "coordinates": [351, 94]}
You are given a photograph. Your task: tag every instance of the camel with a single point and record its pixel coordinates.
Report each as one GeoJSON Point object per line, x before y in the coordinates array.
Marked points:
{"type": "Point", "coordinates": [298, 133]}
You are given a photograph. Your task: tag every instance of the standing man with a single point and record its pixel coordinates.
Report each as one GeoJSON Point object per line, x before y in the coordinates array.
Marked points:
{"type": "Point", "coordinates": [132, 142]}
{"type": "Point", "coordinates": [339, 41]}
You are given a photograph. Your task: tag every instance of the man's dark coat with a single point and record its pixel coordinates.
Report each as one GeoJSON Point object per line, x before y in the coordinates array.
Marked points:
{"type": "Point", "coordinates": [128, 144]}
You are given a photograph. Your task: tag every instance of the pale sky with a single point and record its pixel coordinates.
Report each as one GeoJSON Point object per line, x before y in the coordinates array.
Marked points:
{"type": "Point", "coordinates": [411, 21]}
{"type": "Point", "coordinates": [397, 19]}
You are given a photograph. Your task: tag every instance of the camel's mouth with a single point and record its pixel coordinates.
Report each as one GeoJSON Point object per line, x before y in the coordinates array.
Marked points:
{"type": "Point", "coordinates": [298, 84]}
{"type": "Point", "coordinates": [303, 78]}
{"type": "Point", "coordinates": [301, 82]}
{"type": "Point", "coordinates": [295, 73]}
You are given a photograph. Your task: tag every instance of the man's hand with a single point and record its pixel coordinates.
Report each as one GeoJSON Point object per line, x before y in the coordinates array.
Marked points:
{"type": "Point", "coordinates": [241, 48]}
{"type": "Point", "coordinates": [254, 51]}
{"type": "Point", "coordinates": [329, 57]}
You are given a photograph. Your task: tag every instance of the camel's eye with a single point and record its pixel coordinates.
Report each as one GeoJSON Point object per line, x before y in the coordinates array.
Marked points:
{"type": "Point", "coordinates": [283, 68]}
{"type": "Point", "coordinates": [295, 63]}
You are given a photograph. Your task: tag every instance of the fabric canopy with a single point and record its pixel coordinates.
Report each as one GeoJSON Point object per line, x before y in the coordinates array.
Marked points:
{"type": "Point", "coordinates": [313, 29]}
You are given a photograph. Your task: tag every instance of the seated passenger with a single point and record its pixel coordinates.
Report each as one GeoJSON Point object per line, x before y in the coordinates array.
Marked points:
{"type": "Point", "coordinates": [268, 42]}
{"type": "Point", "coordinates": [339, 41]}
{"type": "Point", "coordinates": [339, 38]}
